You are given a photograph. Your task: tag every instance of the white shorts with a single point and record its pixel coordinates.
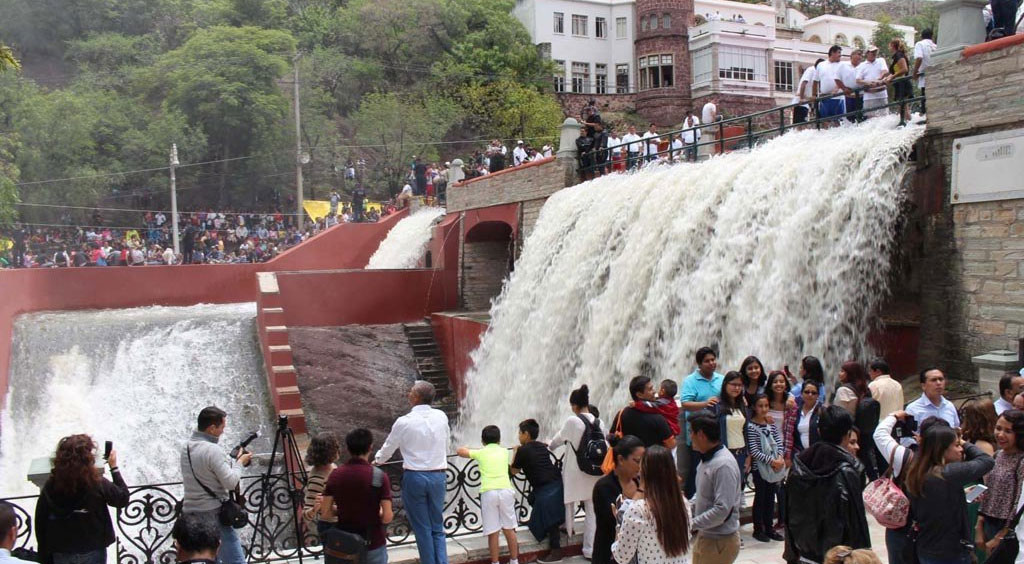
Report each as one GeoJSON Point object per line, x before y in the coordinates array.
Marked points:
{"type": "Point", "coordinates": [498, 510]}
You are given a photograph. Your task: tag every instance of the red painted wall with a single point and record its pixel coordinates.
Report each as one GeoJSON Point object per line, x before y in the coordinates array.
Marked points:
{"type": "Point", "coordinates": [898, 345]}
{"type": "Point", "coordinates": [457, 337]}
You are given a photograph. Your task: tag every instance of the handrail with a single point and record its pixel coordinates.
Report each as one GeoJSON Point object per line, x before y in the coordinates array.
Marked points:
{"type": "Point", "coordinates": [748, 120]}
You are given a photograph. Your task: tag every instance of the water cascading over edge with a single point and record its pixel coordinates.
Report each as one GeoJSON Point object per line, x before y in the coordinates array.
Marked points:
{"type": "Point", "coordinates": [406, 241]}
{"type": "Point", "coordinates": [778, 252]}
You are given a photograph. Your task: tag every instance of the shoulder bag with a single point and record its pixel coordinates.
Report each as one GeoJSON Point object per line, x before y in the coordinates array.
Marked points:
{"type": "Point", "coordinates": [885, 501]}
{"type": "Point", "coordinates": [609, 457]}
{"type": "Point", "coordinates": [771, 448]}
{"type": "Point", "coordinates": [341, 546]}
{"type": "Point", "coordinates": [231, 512]}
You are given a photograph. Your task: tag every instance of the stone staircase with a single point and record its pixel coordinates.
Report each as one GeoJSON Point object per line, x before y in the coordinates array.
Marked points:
{"type": "Point", "coordinates": [430, 365]}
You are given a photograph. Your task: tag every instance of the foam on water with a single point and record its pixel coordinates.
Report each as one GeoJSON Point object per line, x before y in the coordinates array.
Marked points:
{"type": "Point", "coordinates": [778, 252]}
{"type": "Point", "coordinates": [137, 377]}
{"type": "Point", "coordinates": [406, 241]}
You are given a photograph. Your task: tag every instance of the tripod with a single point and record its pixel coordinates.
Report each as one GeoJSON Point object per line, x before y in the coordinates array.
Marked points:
{"type": "Point", "coordinates": [290, 455]}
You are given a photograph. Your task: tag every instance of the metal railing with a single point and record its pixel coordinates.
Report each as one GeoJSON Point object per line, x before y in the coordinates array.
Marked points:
{"type": "Point", "coordinates": [143, 527]}
{"type": "Point", "coordinates": [750, 137]}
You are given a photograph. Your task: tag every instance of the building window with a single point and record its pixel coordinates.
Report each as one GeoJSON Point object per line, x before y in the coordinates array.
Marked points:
{"type": "Point", "coordinates": [621, 31]}
{"type": "Point", "coordinates": [600, 28]}
{"type": "Point", "coordinates": [739, 63]}
{"type": "Point", "coordinates": [858, 42]}
{"type": "Point", "coordinates": [580, 77]}
{"type": "Point", "coordinates": [702, 71]}
{"type": "Point", "coordinates": [600, 78]}
{"type": "Point", "coordinates": [666, 21]}
{"type": "Point", "coordinates": [622, 78]}
{"type": "Point", "coordinates": [559, 22]}
{"type": "Point", "coordinates": [559, 76]}
{"type": "Point", "coordinates": [643, 23]}
{"type": "Point", "coordinates": [783, 76]}
{"type": "Point", "coordinates": [579, 25]}
{"type": "Point", "coordinates": [654, 22]}
{"type": "Point", "coordinates": [656, 71]}
{"type": "Point", "coordinates": [842, 40]}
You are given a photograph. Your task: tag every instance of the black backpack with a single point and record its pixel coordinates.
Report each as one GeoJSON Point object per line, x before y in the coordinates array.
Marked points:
{"type": "Point", "coordinates": [593, 448]}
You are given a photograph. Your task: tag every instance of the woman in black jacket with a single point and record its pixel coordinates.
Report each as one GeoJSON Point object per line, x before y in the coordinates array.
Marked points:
{"type": "Point", "coordinates": [72, 520]}
{"type": "Point", "coordinates": [628, 452]}
{"type": "Point", "coordinates": [935, 485]}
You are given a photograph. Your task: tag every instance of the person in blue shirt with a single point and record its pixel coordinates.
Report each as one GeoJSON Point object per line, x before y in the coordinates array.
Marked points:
{"type": "Point", "coordinates": [931, 403]}
{"type": "Point", "coordinates": [810, 369]}
{"type": "Point", "coordinates": [699, 391]}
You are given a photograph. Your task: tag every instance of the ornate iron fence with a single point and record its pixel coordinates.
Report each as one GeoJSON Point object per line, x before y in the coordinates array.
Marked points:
{"type": "Point", "coordinates": [143, 528]}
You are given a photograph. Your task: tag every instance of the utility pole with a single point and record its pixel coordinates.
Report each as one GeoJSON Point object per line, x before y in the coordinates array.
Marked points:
{"type": "Point", "coordinates": [174, 200]}
{"type": "Point", "coordinates": [298, 147]}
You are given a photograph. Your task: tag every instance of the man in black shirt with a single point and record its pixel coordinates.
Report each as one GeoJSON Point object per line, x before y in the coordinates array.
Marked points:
{"type": "Point", "coordinates": [651, 428]}
{"type": "Point", "coordinates": [546, 499]}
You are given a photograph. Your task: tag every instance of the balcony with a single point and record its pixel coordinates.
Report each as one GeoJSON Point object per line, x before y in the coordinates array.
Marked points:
{"type": "Point", "coordinates": [728, 28]}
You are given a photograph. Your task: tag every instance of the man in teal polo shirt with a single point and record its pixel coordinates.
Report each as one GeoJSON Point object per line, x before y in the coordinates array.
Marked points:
{"type": "Point", "coordinates": [698, 391]}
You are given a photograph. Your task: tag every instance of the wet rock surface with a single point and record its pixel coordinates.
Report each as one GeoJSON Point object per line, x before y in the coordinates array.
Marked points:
{"type": "Point", "coordinates": [353, 376]}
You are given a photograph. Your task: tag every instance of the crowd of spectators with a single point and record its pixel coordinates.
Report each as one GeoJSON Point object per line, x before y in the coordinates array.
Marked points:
{"type": "Point", "coordinates": [496, 157]}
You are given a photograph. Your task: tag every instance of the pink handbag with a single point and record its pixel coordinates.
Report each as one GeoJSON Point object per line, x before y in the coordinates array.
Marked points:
{"type": "Point", "coordinates": [886, 501]}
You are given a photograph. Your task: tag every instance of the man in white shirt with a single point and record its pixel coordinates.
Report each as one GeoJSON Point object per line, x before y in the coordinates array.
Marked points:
{"type": "Point", "coordinates": [651, 141]}
{"type": "Point", "coordinates": [932, 403]}
{"type": "Point", "coordinates": [422, 437]}
{"type": "Point", "coordinates": [690, 137]}
{"type": "Point", "coordinates": [829, 84]}
{"type": "Point", "coordinates": [168, 255]}
{"type": "Point", "coordinates": [519, 154]}
{"type": "Point", "coordinates": [676, 147]}
{"type": "Point", "coordinates": [922, 60]}
{"type": "Point", "coordinates": [406, 196]}
{"type": "Point", "coordinates": [1010, 385]}
{"type": "Point", "coordinates": [615, 147]}
{"type": "Point", "coordinates": [708, 116]}
{"type": "Point", "coordinates": [160, 219]}
{"type": "Point", "coordinates": [886, 391]}
{"type": "Point", "coordinates": [633, 148]}
{"type": "Point", "coordinates": [804, 92]}
{"type": "Point", "coordinates": [848, 76]}
{"type": "Point", "coordinates": [8, 534]}
{"type": "Point", "coordinates": [871, 76]}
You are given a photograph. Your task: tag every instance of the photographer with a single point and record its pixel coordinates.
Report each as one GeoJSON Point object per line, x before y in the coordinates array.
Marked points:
{"type": "Point", "coordinates": [196, 539]}
{"type": "Point", "coordinates": [209, 478]}
{"type": "Point", "coordinates": [73, 524]}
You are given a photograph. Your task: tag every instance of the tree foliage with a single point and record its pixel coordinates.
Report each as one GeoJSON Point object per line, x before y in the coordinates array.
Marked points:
{"type": "Point", "coordinates": [815, 8]}
{"type": "Point", "coordinates": [884, 33]}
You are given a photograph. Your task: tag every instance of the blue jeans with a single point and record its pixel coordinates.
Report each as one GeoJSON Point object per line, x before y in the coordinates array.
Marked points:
{"type": "Point", "coordinates": [423, 498]}
{"type": "Point", "coordinates": [377, 556]}
{"type": "Point", "coordinates": [690, 487]}
{"type": "Point", "coordinates": [230, 547]}
{"type": "Point", "coordinates": [92, 557]}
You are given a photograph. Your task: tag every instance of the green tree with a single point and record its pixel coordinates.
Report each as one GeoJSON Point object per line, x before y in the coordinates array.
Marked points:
{"type": "Point", "coordinates": [398, 127]}
{"type": "Point", "coordinates": [815, 8]}
{"type": "Point", "coordinates": [507, 109]}
{"type": "Point", "coordinates": [884, 33]}
{"type": "Point", "coordinates": [8, 171]}
{"type": "Point", "coordinates": [224, 80]}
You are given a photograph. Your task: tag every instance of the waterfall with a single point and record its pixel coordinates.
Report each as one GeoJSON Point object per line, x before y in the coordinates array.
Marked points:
{"type": "Point", "coordinates": [137, 377]}
{"type": "Point", "coordinates": [407, 241]}
{"type": "Point", "coordinates": [778, 252]}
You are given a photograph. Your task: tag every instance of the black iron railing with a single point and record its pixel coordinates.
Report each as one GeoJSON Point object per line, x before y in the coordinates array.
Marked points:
{"type": "Point", "coordinates": [143, 528]}
{"type": "Point", "coordinates": [772, 122]}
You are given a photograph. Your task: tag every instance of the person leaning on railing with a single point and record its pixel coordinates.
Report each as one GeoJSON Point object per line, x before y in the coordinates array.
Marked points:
{"type": "Point", "coordinates": [73, 524]}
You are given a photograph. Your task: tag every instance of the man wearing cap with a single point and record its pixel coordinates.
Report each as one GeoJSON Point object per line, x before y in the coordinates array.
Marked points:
{"type": "Point", "coordinates": [518, 154]}
{"type": "Point", "coordinates": [871, 76]}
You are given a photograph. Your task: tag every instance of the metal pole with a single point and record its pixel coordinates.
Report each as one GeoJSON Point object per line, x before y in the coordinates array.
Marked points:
{"type": "Point", "coordinates": [174, 201]}
{"type": "Point", "coordinates": [298, 147]}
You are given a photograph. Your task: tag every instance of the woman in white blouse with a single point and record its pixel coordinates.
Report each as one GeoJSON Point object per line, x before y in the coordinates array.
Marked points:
{"type": "Point", "coordinates": [655, 526]}
{"type": "Point", "coordinates": [578, 486]}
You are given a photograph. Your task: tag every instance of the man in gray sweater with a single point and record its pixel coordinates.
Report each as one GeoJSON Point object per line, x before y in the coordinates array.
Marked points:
{"type": "Point", "coordinates": [716, 512]}
{"type": "Point", "coordinates": [204, 463]}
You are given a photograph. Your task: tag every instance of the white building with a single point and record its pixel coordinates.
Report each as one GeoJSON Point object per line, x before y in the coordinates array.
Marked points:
{"type": "Point", "coordinates": [735, 48]}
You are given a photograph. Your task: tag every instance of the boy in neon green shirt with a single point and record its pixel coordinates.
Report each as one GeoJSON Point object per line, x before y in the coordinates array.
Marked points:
{"type": "Point", "coordinates": [497, 498]}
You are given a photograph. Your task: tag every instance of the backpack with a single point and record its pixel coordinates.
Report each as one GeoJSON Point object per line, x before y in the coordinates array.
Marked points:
{"type": "Point", "coordinates": [343, 546]}
{"type": "Point", "coordinates": [593, 448]}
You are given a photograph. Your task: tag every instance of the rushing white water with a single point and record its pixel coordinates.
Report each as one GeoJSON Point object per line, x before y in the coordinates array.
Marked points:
{"type": "Point", "coordinates": [137, 377]}
{"type": "Point", "coordinates": [407, 241]}
{"type": "Point", "coordinates": [778, 252]}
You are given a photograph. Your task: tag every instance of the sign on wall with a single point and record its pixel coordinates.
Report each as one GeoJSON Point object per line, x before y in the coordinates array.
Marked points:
{"type": "Point", "coordinates": [988, 167]}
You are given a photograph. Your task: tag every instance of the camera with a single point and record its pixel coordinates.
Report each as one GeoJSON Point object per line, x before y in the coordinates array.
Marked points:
{"type": "Point", "coordinates": [238, 450]}
{"type": "Point", "coordinates": [905, 429]}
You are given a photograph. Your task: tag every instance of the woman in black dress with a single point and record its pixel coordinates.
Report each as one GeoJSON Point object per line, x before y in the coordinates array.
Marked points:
{"type": "Point", "coordinates": [628, 451]}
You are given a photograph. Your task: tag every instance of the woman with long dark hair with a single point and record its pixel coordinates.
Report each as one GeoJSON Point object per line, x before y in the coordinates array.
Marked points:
{"type": "Point", "coordinates": [784, 414]}
{"type": "Point", "coordinates": [1004, 481]}
{"type": "Point", "coordinates": [321, 455]}
{"type": "Point", "coordinates": [73, 524]}
{"type": "Point", "coordinates": [853, 387]}
{"type": "Point", "coordinates": [935, 483]}
{"type": "Point", "coordinates": [656, 526]}
{"type": "Point", "coordinates": [805, 430]}
{"type": "Point", "coordinates": [810, 369]}
{"type": "Point", "coordinates": [578, 485]}
{"type": "Point", "coordinates": [732, 412]}
{"type": "Point", "coordinates": [899, 68]}
{"type": "Point", "coordinates": [628, 452]}
{"type": "Point", "coordinates": [754, 376]}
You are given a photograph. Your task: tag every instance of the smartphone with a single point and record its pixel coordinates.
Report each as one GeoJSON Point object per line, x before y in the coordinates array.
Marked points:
{"type": "Point", "coordinates": [974, 492]}
{"type": "Point", "coordinates": [107, 447]}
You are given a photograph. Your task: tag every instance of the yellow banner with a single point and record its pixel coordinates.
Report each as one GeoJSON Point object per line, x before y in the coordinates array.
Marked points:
{"type": "Point", "coordinates": [316, 209]}
{"type": "Point", "coordinates": [6, 243]}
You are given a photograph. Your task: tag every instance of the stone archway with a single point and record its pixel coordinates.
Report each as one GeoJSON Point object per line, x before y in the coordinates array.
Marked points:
{"type": "Point", "coordinates": [487, 258]}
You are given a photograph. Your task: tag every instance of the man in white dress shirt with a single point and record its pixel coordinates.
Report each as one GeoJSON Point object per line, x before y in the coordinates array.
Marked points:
{"type": "Point", "coordinates": [422, 436]}
{"type": "Point", "coordinates": [8, 534]}
{"type": "Point", "coordinates": [1010, 385]}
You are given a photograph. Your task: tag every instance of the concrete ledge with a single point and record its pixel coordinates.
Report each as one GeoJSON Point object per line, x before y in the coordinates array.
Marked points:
{"type": "Point", "coordinates": [267, 282]}
{"type": "Point", "coordinates": [995, 45]}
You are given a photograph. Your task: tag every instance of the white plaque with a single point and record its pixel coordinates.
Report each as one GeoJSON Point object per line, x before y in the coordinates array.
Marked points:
{"type": "Point", "coordinates": [988, 167]}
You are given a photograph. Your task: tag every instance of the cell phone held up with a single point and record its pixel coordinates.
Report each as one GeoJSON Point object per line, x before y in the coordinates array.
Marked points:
{"type": "Point", "coordinates": [107, 447]}
{"type": "Point", "coordinates": [905, 429]}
